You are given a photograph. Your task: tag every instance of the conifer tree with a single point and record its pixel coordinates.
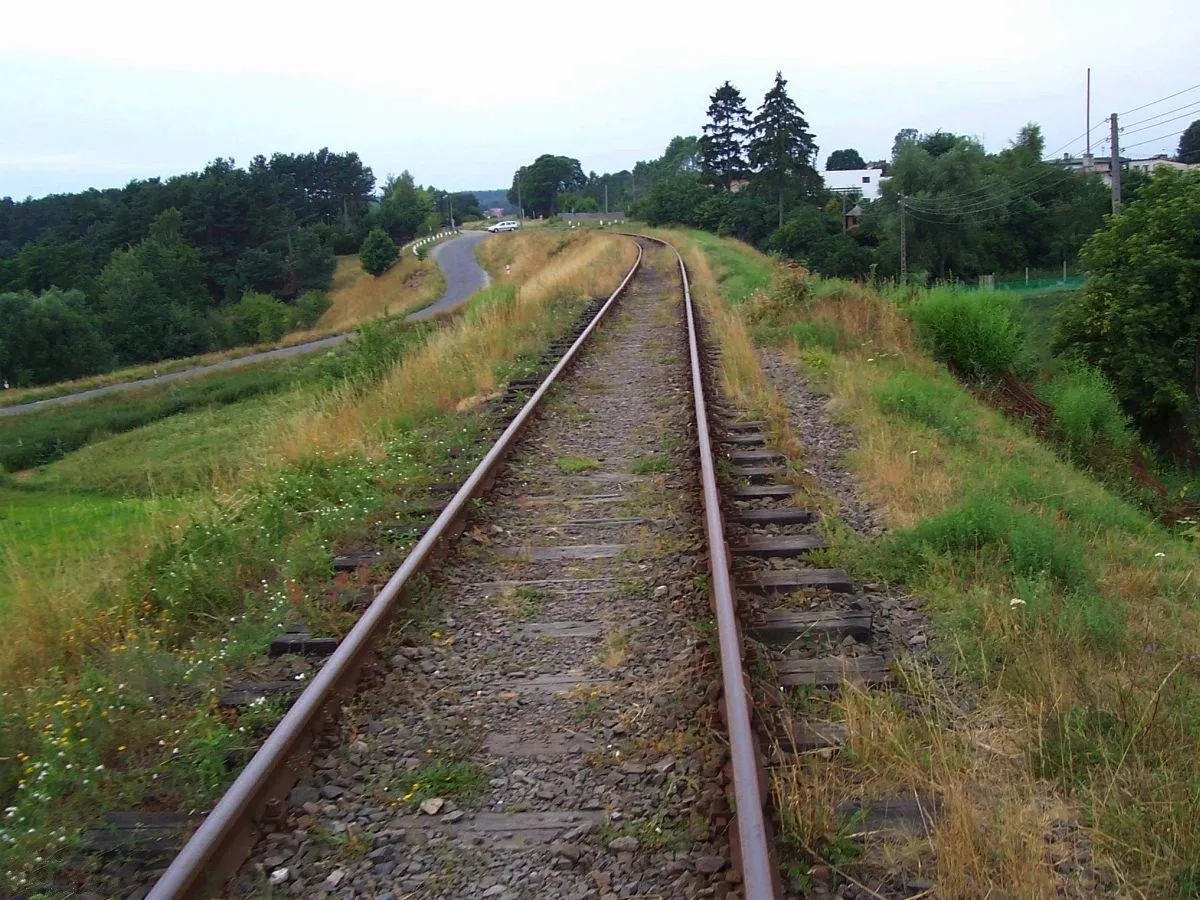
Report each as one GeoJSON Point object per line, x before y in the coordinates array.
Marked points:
{"type": "Point", "coordinates": [781, 147]}
{"type": "Point", "coordinates": [722, 150]}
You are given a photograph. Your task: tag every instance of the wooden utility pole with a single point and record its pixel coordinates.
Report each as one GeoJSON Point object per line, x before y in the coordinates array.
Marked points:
{"type": "Point", "coordinates": [903, 245]}
{"type": "Point", "coordinates": [1115, 165]}
{"type": "Point", "coordinates": [520, 205]}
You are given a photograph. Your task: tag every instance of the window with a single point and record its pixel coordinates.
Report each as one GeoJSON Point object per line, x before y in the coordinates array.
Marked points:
{"type": "Point", "coordinates": [866, 179]}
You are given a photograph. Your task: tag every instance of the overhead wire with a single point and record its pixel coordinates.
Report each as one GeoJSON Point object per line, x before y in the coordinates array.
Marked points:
{"type": "Point", "coordinates": [1159, 100]}
{"type": "Point", "coordinates": [975, 202]}
{"type": "Point", "coordinates": [1194, 103]}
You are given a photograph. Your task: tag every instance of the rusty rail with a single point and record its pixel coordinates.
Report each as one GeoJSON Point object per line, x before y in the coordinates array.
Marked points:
{"type": "Point", "coordinates": [225, 836]}
{"type": "Point", "coordinates": [758, 871]}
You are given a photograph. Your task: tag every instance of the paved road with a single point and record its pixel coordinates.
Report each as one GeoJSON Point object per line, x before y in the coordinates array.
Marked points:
{"type": "Point", "coordinates": [464, 276]}
{"type": "Point", "coordinates": [456, 259]}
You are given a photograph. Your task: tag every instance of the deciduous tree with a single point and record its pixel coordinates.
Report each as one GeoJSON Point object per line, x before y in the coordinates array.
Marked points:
{"type": "Point", "coordinates": [843, 160]}
{"type": "Point", "coordinates": [543, 180]}
{"type": "Point", "coordinates": [1138, 318]}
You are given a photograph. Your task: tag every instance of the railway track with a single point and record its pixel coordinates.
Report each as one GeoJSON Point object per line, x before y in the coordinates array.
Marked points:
{"type": "Point", "coordinates": [546, 713]}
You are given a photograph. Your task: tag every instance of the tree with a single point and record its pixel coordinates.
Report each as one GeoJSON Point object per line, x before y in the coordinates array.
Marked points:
{"type": "Point", "coordinates": [404, 209]}
{"type": "Point", "coordinates": [312, 262]}
{"type": "Point", "coordinates": [49, 338]}
{"type": "Point", "coordinates": [378, 251]}
{"type": "Point", "coordinates": [781, 146]}
{"type": "Point", "coordinates": [843, 160]}
{"type": "Point", "coordinates": [1189, 144]}
{"type": "Point", "coordinates": [904, 137]}
{"type": "Point", "coordinates": [1138, 318]}
{"type": "Point", "coordinates": [722, 152]}
{"type": "Point", "coordinates": [260, 318]}
{"type": "Point", "coordinates": [542, 181]}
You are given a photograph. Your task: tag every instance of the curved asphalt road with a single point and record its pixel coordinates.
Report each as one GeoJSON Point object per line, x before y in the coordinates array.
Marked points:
{"type": "Point", "coordinates": [464, 276]}
{"type": "Point", "coordinates": [456, 259]}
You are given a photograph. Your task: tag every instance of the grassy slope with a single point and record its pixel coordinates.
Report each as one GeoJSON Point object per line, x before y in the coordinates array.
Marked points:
{"type": "Point", "coordinates": [355, 297]}
{"type": "Point", "coordinates": [1072, 617]}
{"type": "Point", "coordinates": [94, 666]}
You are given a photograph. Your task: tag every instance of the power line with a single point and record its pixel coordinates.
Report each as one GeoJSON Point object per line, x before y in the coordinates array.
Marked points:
{"type": "Point", "coordinates": [1170, 134]}
{"type": "Point", "coordinates": [1159, 100]}
{"type": "Point", "coordinates": [1157, 124]}
{"type": "Point", "coordinates": [1160, 115]}
{"type": "Point", "coordinates": [1017, 190]}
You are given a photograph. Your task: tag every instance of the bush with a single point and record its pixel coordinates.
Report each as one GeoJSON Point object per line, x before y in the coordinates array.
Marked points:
{"type": "Point", "coordinates": [1026, 545]}
{"type": "Point", "coordinates": [974, 332]}
{"type": "Point", "coordinates": [310, 307]}
{"type": "Point", "coordinates": [260, 318]}
{"type": "Point", "coordinates": [1093, 425]}
{"type": "Point", "coordinates": [378, 252]}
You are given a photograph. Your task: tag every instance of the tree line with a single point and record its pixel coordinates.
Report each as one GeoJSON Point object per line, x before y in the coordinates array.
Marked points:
{"type": "Point", "coordinates": [753, 175]}
{"type": "Point", "coordinates": [200, 261]}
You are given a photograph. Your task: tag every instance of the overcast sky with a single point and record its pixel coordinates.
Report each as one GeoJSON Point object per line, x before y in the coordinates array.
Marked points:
{"type": "Point", "coordinates": [462, 93]}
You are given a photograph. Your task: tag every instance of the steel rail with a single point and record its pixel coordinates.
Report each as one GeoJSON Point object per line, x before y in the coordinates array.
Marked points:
{"type": "Point", "coordinates": [758, 872]}
{"type": "Point", "coordinates": [207, 858]}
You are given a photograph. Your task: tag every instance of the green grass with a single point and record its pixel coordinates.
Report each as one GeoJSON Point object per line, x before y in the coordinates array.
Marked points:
{"type": "Point", "coordinates": [652, 465]}
{"type": "Point", "coordinates": [111, 667]}
{"type": "Point", "coordinates": [45, 530]}
{"type": "Point", "coordinates": [934, 404]}
{"type": "Point", "coordinates": [738, 273]}
{"type": "Point", "coordinates": [573, 465]}
{"type": "Point", "coordinates": [36, 438]}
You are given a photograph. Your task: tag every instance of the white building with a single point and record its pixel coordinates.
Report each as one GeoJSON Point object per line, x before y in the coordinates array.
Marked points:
{"type": "Point", "coordinates": [865, 181]}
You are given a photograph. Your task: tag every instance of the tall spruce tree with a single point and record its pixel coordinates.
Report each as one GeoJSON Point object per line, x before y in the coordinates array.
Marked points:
{"type": "Point", "coordinates": [781, 147]}
{"type": "Point", "coordinates": [722, 150]}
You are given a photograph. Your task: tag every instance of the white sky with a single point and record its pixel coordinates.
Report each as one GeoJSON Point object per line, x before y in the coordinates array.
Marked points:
{"type": "Point", "coordinates": [462, 93]}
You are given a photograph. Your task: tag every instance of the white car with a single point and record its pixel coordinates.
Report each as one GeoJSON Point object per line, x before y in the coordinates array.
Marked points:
{"type": "Point", "coordinates": [506, 225]}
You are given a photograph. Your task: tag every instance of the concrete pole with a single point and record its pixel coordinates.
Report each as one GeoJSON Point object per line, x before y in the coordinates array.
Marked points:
{"type": "Point", "coordinates": [1115, 165]}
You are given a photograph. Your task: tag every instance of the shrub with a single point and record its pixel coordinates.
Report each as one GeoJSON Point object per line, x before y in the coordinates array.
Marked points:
{"type": "Point", "coordinates": [974, 332]}
{"type": "Point", "coordinates": [378, 251]}
{"type": "Point", "coordinates": [1093, 424]}
{"type": "Point", "coordinates": [260, 318]}
{"type": "Point", "coordinates": [310, 307]}
{"type": "Point", "coordinates": [1025, 544]}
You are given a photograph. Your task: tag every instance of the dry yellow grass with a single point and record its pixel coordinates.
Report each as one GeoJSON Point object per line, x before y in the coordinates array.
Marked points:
{"type": "Point", "coordinates": [358, 297]}
{"type": "Point", "coordinates": [457, 362]}
{"type": "Point", "coordinates": [525, 252]}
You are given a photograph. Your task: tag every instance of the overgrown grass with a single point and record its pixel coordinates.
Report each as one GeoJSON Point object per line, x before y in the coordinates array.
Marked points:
{"type": "Point", "coordinates": [974, 331]}
{"type": "Point", "coordinates": [1073, 619]}
{"type": "Point", "coordinates": [1094, 427]}
{"type": "Point", "coordinates": [109, 683]}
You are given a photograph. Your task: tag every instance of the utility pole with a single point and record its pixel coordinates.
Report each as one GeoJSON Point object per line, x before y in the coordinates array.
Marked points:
{"type": "Point", "coordinates": [903, 245]}
{"type": "Point", "coordinates": [1087, 154]}
{"type": "Point", "coordinates": [1115, 165]}
{"type": "Point", "coordinates": [606, 198]}
{"type": "Point", "coordinates": [450, 205]}
{"type": "Point", "coordinates": [520, 205]}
